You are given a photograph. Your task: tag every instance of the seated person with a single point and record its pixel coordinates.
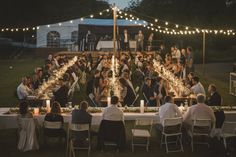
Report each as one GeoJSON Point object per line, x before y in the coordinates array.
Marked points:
{"type": "Point", "coordinates": [55, 116]}
{"type": "Point", "coordinates": [112, 126]}
{"type": "Point", "coordinates": [81, 116]}
{"type": "Point", "coordinates": [197, 87]}
{"type": "Point", "coordinates": [198, 111]}
{"type": "Point", "coordinates": [214, 99]}
{"type": "Point", "coordinates": [127, 94]}
{"type": "Point", "coordinates": [112, 112]}
{"type": "Point", "coordinates": [168, 110]}
{"type": "Point", "coordinates": [61, 95]}
{"type": "Point", "coordinates": [149, 92]}
{"type": "Point", "coordinates": [23, 90]}
{"type": "Point", "coordinates": [24, 110]}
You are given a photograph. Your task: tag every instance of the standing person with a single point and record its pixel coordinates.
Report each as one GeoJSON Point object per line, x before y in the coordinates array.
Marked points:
{"type": "Point", "coordinates": [162, 51]}
{"type": "Point", "coordinates": [139, 40]}
{"type": "Point", "coordinates": [150, 42]}
{"type": "Point", "coordinates": [90, 40]}
{"type": "Point", "coordinates": [149, 92]}
{"type": "Point", "coordinates": [125, 40]}
{"type": "Point", "coordinates": [189, 60]}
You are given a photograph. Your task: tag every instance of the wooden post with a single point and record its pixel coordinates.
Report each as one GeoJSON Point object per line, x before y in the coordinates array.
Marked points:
{"type": "Point", "coordinates": [203, 52]}
{"type": "Point", "coordinates": [114, 29]}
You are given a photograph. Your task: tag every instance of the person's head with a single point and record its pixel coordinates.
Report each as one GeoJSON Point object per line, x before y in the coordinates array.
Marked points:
{"type": "Point", "coordinates": [148, 81]}
{"type": "Point", "coordinates": [123, 82]}
{"type": "Point", "coordinates": [168, 99]}
{"type": "Point", "coordinates": [24, 81]}
{"type": "Point", "coordinates": [201, 98]}
{"type": "Point", "coordinates": [126, 75]}
{"type": "Point", "coordinates": [89, 32]}
{"type": "Point", "coordinates": [190, 75]}
{"type": "Point", "coordinates": [183, 51]}
{"type": "Point", "coordinates": [195, 80]}
{"type": "Point", "coordinates": [23, 107]}
{"type": "Point", "coordinates": [114, 100]}
{"type": "Point", "coordinates": [56, 108]}
{"type": "Point", "coordinates": [212, 88]}
{"type": "Point", "coordinates": [83, 105]}
{"type": "Point", "coordinates": [125, 31]}
{"type": "Point", "coordinates": [97, 73]}
{"type": "Point", "coordinates": [140, 32]}
{"type": "Point", "coordinates": [172, 48]}
{"type": "Point", "coordinates": [189, 50]}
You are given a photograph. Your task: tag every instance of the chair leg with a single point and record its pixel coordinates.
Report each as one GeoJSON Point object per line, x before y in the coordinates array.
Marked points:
{"type": "Point", "coordinates": [192, 143]}
{"type": "Point", "coordinates": [161, 140]}
{"type": "Point", "coordinates": [167, 150]}
{"type": "Point", "coordinates": [181, 145]}
{"type": "Point", "coordinates": [132, 144]}
{"type": "Point", "coordinates": [147, 144]}
{"type": "Point", "coordinates": [225, 143]}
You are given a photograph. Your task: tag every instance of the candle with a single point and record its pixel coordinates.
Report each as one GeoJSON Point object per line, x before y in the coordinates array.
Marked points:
{"type": "Point", "coordinates": [36, 111]}
{"type": "Point", "coordinates": [48, 108]}
{"type": "Point", "coordinates": [108, 101]}
{"type": "Point", "coordinates": [141, 106]}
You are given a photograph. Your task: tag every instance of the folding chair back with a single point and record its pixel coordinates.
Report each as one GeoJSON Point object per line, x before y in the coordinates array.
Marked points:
{"type": "Point", "coordinates": [142, 122]}
{"type": "Point", "coordinates": [172, 125]}
{"type": "Point", "coordinates": [52, 125]}
{"type": "Point", "coordinates": [229, 127]}
{"type": "Point", "coordinates": [202, 126]}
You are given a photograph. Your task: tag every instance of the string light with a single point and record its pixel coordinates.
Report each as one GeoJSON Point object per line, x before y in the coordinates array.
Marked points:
{"type": "Point", "coordinates": [71, 21]}
{"type": "Point", "coordinates": [166, 23]}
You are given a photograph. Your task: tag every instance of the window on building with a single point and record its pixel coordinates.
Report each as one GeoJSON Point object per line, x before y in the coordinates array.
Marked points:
{"type": "Point", "coordinates": [53, 39]}
{"type": "Point", "coordinates": [74, 36]}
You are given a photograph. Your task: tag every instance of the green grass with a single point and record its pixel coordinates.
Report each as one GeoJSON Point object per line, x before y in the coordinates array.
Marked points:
{"type": "Point", "coordinates": [10, 78]}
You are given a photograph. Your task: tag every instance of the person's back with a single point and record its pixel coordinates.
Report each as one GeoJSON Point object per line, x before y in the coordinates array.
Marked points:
{"type": "Point", "coordinates": [113, 113]}
{"type": "Point", "coordinates": [199, 111]}
{"type": "Point", "coordinates": [169, 110]}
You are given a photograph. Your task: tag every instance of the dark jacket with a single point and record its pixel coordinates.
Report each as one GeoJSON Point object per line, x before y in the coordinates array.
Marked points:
{"type": "Point", "coordinates": [61, 95]}
{"type": "Point", "coordinates": [214, 99]}
{"type": "Point", "coordinates": [130, 96]}
{"type": "Point", "coordinates": [113, 131]}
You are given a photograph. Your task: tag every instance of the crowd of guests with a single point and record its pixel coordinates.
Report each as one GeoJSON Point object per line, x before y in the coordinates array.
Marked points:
{"type": "Point", "coordinates": [30, 84]}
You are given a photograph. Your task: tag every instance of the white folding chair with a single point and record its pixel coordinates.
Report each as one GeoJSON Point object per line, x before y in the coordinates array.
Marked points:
{"type": "Point", "coordinates": [200, 127]}
{"type": "Point", "coordinates": [136, 98]}
{"type": "Point", "coordinates": [172, 127]}
{"type": "Point", "coordinates": [228, 131]}
{"type": "Point", "coordinates": [51, 125]}
{"type": "Point", "coordinates": [76, 128]}
{"type": "Point", "coordinates": [92, 97]}
{"type": "Point", "coordinates": [137, 89]}
{"type": "Point", "coordinates": [140, 132]}
{"type": "Point", "coordinates": [145, 97]}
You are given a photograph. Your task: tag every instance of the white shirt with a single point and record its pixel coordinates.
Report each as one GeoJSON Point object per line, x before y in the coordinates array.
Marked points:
{"type": "Point", "coordinates": [126, 38]}
{"type": "Point", "coordinates": [169, 110]}
{"type": "Point", "coordinates": [199, 111]}
{"type": "Point", "coordinates": [113, 113]}
{"type": "Point", "coordinates": [198, 88]}
{"type": "Point", "coordinates": [22, 91]}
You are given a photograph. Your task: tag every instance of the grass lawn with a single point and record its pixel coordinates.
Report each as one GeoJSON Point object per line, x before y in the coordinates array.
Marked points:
{"type": "Point", "coordinates": [10, 78]}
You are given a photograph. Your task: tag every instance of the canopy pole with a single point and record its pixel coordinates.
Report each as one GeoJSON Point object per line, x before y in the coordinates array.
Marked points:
{"type": "Point", "coordinates": [114, 29]}
{"type": "Point", "coordinates": [203, 51]}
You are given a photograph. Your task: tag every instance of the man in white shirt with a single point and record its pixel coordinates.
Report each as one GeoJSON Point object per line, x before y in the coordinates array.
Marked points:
{"type": "Point", "coordinates": [23, 90]}
{"type": "Point", "coordinates": [199, 111]}
{"type": "Point", "coordinates": [169, 110]}
{"type": "Point", "coordinates": [112, 112]}
{"type": "Point", "coordinates": [197, 87]}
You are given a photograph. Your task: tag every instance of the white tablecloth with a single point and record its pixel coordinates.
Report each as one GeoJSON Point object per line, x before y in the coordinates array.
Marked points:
{"type": "Point", "coordinates": [8, 121]}
{"type": "Point", "coordinates": [109, 45]}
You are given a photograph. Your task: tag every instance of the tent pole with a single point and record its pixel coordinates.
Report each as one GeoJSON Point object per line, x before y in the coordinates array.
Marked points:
{"type": "Point", "coordinates": [114, 30]}
{"type": "Point", "coordinates": [203, 51]}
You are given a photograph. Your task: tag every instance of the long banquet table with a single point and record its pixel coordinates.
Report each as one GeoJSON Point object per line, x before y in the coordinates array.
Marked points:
{"type": "Point", "coordinates": [9, 121]}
